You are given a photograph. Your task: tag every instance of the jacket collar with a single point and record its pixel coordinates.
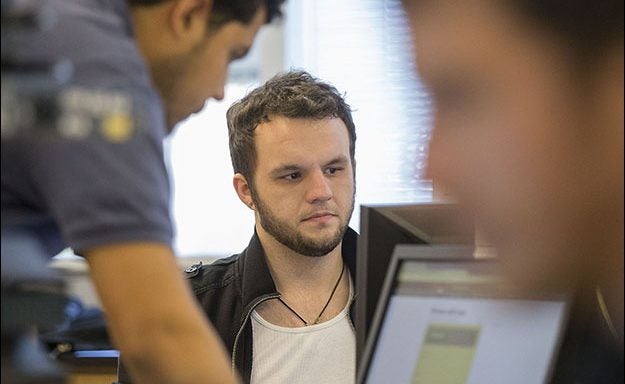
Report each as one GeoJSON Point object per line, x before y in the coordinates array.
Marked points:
{"type": "Point", "coordinates": [256, 280]}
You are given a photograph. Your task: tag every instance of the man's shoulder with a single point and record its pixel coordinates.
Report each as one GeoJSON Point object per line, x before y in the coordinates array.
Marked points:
{"type": "Point", "coordinates": [95, 37]}
{"type": "Point", "coordinates": [217, 289]}
{"type": "Point", "coordinates": [209, 277]}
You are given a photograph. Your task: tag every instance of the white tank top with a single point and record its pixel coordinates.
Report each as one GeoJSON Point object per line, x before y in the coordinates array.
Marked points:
{"type": "Point", "coordinates": [321, 353]}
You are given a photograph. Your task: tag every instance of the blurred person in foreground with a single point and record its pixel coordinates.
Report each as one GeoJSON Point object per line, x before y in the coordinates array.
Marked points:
{"type": "Point", "coordinates": [528, 133]}
{"type": "Point", "coordinates": [101, 186]}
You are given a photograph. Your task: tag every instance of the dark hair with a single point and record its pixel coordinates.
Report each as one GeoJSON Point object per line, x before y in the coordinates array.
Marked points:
{"type": "Point", "coordinates": [224, 11]}
{"type": "Point", "coordinates": [293, 94]}
{"type": "Point", "coordinates": [587, 27]}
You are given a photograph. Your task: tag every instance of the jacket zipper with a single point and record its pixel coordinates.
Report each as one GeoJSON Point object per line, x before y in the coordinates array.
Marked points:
{"type": "Point", "coordinates": [265, 298]}
{"type": "Point", "coordinates": [349, 316]}
{"type": "Point", "coordinates": [247, 316]}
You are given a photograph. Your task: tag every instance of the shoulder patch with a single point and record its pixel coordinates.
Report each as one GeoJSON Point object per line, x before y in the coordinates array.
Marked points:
{"type": "Point", "coordinates": [193, 270]}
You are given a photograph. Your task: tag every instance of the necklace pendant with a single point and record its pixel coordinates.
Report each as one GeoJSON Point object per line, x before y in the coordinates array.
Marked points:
{"type": "Point", "coordinates": [306, 324]}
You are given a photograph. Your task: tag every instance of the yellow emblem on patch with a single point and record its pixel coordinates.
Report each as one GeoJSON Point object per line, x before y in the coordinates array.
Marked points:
{"type": "Point", "coordinates": [117, 127]}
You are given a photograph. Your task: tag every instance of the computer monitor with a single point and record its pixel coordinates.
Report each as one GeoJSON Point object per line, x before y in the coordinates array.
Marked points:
{"type": "Point", "coordinates": [382, 227]}
{"type": "Point", "coordinates": [444, 319]}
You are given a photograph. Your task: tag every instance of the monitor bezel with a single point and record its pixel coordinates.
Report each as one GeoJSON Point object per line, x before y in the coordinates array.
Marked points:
{"type": "Point", "coordinates": [446, 254]}
{"type": "Point", "coordinates": [384, 226]}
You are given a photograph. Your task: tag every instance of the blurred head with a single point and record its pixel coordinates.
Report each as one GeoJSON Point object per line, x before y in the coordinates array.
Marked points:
{"type": "Point", "coordinates": [528, 131]}
{"type": "Point", "coordinates": [292, 146]}
{"type": "Point", "coordinates": [188, 45]}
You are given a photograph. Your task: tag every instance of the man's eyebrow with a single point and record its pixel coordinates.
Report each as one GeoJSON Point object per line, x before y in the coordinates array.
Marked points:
{"type": "Point", "coordinates": [342, 159]}
{"type": "Point", "coordinates": [286, 168]}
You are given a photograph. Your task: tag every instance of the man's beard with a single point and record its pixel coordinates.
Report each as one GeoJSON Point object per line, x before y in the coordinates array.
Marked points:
{"type": "Point", "coordinates": [167, 75]}
{"type": "Point", "coordinates": [294, 240]}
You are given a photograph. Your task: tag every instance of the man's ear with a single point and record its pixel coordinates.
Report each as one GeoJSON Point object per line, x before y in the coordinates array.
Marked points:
{"type": "Point", "coordinates": [243, 190]}
{"type": "Point", "coordinates": [188, 20]}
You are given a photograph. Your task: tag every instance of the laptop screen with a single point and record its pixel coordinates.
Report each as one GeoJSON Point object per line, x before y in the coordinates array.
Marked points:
{"type": "Point", "coordinates": [457, 321]}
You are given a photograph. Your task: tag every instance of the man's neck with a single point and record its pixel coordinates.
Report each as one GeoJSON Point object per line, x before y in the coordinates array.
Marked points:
{"type": "Point", "coordinates": [315, 289]}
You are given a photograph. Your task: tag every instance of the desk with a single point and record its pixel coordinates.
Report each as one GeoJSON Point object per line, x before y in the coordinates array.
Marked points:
{"type": "Point", "coordinates": [105, 377]}
{"type": "Point", "coordinates": [90, 367]}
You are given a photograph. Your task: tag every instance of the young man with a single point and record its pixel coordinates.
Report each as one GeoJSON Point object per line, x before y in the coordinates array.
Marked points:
{"type": "Point", "coordinates": [282, 306]}
{"type": "Point", "coordinates": [100, 185]}
{"type": "Point", "coordinates": [529, 133]}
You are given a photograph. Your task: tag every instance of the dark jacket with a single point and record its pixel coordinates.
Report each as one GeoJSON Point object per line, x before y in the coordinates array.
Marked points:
{"type": "Point", "coordinates": [230, 289]}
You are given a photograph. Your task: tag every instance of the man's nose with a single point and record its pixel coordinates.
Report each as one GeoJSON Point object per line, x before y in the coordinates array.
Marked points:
{"type": "Point", "coordinates": [318, 187]}
{"type": "Point", "coordinates": [218, 94]}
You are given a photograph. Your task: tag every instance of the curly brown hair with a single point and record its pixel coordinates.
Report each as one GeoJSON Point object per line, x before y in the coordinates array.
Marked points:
{"type": "Point", "coordinates": [293, 94]}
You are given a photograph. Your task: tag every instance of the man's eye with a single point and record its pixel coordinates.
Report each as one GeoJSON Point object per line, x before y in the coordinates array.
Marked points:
{"type": "Point", "coordinates": [237, 55]}
{"type": "Point", "coordinates": [332, 170]}
{"type": "Point", "coordinates": [293, 176]}
{"type": "Point", "coordinates": [454, 97]}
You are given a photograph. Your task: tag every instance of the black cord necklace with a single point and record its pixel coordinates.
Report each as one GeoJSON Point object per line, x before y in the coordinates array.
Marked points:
{"type": "Point", "coordinates": [306, 323]}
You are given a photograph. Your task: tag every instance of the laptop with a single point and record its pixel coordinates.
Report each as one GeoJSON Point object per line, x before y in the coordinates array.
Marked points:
{"type": "Point", "coordinates": [447, 320]}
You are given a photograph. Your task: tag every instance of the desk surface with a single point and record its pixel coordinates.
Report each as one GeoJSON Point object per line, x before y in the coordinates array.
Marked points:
{"type": "Point", "coordinates": [91, 367]}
